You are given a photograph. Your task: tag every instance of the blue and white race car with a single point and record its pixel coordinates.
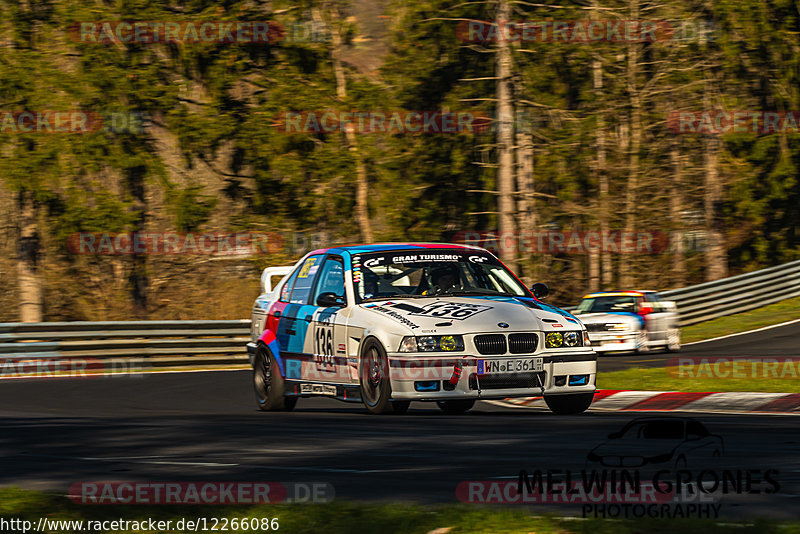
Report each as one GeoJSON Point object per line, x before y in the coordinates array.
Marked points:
{"type": "Point", "coordinates": [387, 324]}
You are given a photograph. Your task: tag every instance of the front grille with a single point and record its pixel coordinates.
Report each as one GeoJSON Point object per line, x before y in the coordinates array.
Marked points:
{"type": "Point", "coordinates": [491, 344]}
{"type": "Point", "coordinates": [507, 381]}
{"type": "Point", "coordinates": [522, 343]}
{"type": "Point", "coordinates": [596, 327]}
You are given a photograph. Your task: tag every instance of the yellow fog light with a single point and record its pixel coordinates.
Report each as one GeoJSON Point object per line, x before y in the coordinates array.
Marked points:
{"type": "Point", "coordinates": [553, 340]}
{"type": "Point", "coordinates": [448, 343]}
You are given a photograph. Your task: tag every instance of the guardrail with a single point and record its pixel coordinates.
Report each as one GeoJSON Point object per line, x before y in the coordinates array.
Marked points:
{"type": "Point", "coordinates": [736, 294]}
{"type": "Point", "coordinates": [155, 343]}
{"type": "Point", "coordinates": [209, 343]}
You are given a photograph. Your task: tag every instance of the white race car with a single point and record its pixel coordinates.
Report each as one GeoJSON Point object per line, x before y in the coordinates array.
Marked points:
{"type": "Point", "coordinates": [393, 323]}
{"type": "Point", "coordinates": [628, 321]}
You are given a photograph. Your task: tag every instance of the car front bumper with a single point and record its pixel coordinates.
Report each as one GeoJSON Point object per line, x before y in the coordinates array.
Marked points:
{"type": "Point", "coordinates": [433, 378]}
{"type": "Point", "coordinates": [613, 341]}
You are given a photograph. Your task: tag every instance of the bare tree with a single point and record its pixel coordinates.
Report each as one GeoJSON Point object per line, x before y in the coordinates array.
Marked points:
{"type": "Point", "coordinates": [715, 254]}
{"type": "Point", "coordinates": [505, 142]}
{"type": "Point", "coordinates": [675, 208]}
{"type": "Point", "coordinates": [361, 208]}
{"type": "Point", "coordinates": [30, 288]}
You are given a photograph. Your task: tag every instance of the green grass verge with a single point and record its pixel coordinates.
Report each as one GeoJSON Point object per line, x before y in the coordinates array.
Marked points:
{"type": "Point", "coordinates": [779, 312]}
{"type": "Point", "coordinates": [350, 518]}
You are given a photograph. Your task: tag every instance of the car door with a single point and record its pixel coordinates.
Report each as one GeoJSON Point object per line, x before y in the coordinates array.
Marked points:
{"type": "Point", "coordinates": [327, 342]}
{"type": "Point", "coordinates": [296, 316]}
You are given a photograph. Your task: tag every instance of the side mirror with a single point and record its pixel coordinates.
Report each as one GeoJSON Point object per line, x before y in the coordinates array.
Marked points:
{"type": "Point", "coordinates": [615, 435]}
{"type": "Point", "coordinates": [645, 310]}
{"type": "Point", "coordinates": [330, 300]}
{"type": "Point", "coordinates": [540, 290]}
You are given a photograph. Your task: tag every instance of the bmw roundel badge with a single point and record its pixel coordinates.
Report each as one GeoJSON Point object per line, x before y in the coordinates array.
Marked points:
{"type": "Point", "coordinates": [502, 325]}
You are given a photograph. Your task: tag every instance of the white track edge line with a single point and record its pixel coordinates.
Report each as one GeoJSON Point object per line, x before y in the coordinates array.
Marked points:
{"type": "Point", "coordinates": [744, 333]}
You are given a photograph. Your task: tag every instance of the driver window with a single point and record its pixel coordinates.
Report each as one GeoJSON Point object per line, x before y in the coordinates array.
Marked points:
{"type": "Point", "coordinates": [331, 279]}
{"type": "Point", "coordinates": [304, 280]}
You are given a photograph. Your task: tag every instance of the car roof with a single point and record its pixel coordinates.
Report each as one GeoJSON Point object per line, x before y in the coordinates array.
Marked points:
{"type": "Point", "coordinates": [381, 247]}
{"type": "Point", "coordinates": [623, 293]}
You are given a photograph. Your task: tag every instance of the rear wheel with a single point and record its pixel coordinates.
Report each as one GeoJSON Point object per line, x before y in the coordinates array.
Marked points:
{"type": "Point", "coordinates": [376, 388]}
{"type": "Point", "coordinates": [455, 407]}
{"type": "Point", "coordinates": [674, 340]}
{"type": "Point", "coordinates": [569, 404]}
{"type": "Point", "coordinates": [642, 346]}
{"type": "Point", "coordinates": [268, 383]}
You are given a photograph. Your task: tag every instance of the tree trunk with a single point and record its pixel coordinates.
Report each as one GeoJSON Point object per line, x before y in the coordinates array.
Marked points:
{"type": "Point", "coordinates": [715, 254]}
{"type": "Point", "coordinates": [505, 142]}
{"type": "Point", "coordinates": [677, 248]}
{"type": "Point", "coordinates": [600, 268]}
{"type": "Point", "coordinates": [527, 186]}
{"type": "Point", "coordinates": [138, 279]}
{"type": "Point", "coordinates": [361, 208]}
{"type": "Point", "coordinates": [30, 288]}
{"type": "Point", "coordinates": [635, 100]}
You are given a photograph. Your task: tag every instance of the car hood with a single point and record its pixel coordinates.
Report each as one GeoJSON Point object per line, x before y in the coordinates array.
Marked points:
{"type": "Point", "coordinates": [467, 314]}
{"type": "Point", "coordinates": [612, 317]}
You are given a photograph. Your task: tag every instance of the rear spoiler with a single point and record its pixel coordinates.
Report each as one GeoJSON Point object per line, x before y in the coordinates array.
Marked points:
{"type": "Point", "coordinates": [269, 272]}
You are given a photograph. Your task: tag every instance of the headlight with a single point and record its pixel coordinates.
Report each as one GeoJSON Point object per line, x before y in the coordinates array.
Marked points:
{"type": "Point", "coordinates": [572, 339]}
{"type": "Point", "coordinates": [554, 340]}
{"type": "Point", "coordinates": [409, 344]}
{"type": "Point", "coordinates": [432, 343]}
{"type": "Point", "coordinates": [426, 343]}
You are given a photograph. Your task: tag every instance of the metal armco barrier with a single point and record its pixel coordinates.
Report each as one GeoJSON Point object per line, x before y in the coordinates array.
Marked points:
{"type": "Point", "coordinates": [203, 343]}
{"type": "Point", "coordinates": [736, 294]}
{"type": "Point", "coordinates": [160, 343]}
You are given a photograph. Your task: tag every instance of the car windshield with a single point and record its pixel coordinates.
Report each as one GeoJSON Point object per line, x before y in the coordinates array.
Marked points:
{"type": "Point", "coordinates": [415, 273]}
{"type": "Point", "coordinates": [607, 304]}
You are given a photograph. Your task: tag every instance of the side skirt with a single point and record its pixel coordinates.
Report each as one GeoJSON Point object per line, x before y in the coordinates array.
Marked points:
{"type": "Point", "coordinates": [300, 388]}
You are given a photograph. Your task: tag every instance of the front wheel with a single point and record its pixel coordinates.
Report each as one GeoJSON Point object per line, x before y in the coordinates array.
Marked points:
{"type": "Point", "coordinates": [569, 404]}
{"type": "Point", "coordinates": [268, 383]}
{"type": "Point", "coordinates": [455, 407]}
{"type": "Point", "coordinates": [376, 388]}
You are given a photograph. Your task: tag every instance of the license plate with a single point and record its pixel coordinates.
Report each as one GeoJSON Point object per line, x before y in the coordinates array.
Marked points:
{"type": "Point", "coordinates": [510, 365]}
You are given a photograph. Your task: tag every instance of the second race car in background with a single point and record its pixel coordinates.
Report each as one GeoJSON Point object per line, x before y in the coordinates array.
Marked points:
{"type": "Point", "coordinates": [630, 321]}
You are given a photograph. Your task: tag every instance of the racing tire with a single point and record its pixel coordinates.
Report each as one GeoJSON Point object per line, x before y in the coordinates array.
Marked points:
{"type": "Point", "coordinates": [269, 386]}
{"type": "Point", "coordinates": [376, 388]}
{"type": "Point", "coordinates": [569, 404]}
{"type": "Point", "coordinates": [456, 407]}
{"type": "Point", "coordinates": [643, 347]}
{"type": "Point", "coordinates": [674, 340]}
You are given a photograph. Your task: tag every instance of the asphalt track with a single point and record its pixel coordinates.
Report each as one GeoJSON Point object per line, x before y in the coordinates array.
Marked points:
{"type": "Point", "coordinates": [782, 341]}
{"type": "Point", "coordinates": [205, 427]}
